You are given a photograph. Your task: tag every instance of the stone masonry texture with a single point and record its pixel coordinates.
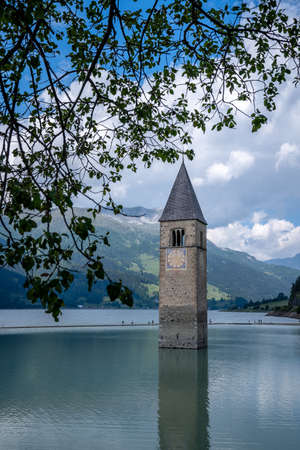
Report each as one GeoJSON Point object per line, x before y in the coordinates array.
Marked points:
{"type": "Point", "coordinates": [182, 294]}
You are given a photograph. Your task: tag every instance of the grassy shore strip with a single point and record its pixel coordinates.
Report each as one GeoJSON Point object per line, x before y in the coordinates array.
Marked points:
{"type": "Point", "coordinates": [137, 325]}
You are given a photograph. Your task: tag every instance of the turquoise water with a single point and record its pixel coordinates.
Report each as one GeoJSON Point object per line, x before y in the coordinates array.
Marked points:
{"type": "Point", "coordinates": [111, 388]}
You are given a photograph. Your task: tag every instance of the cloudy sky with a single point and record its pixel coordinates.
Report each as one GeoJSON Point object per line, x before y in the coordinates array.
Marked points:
{"type": "Point", "coordinates": [248, 184]}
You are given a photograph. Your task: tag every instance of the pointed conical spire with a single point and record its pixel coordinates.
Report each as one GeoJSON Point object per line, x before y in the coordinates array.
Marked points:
{"type": "Point", "coordinates": [182, 203]}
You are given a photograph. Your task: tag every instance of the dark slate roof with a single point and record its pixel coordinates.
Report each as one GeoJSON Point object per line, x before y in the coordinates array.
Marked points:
{"type": "Point", "coordinates": [182, 203]}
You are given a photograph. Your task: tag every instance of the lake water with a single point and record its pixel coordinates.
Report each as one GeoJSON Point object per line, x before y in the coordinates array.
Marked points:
{"type": "Point", "coordinates": [96, 317]}
{"type": "Point", "coordinates": [112, 388]}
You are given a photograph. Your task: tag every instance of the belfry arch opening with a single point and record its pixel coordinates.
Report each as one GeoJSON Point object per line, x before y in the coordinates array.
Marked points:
{"type": "Point", "coordinates": [177, 237]}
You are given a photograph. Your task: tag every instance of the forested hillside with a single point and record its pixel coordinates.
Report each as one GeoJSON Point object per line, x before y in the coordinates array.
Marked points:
{"type": "Point", "coordinates": [293, 261]}
{"type": "Point", "coordinates": [133, 256]}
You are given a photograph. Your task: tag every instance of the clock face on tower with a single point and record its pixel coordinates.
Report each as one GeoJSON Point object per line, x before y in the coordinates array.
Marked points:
{"type": "Point", "coordinates": [176, 258]}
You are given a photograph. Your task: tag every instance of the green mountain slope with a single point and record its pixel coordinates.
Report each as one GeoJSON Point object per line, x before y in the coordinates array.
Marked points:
{"type": "Point", "coordinates": [293, 262]}
{"type": "Point", "coordinates": [135, 244]}
{"type": "Point", "coordinates": [240, 274]}
{"type": "Point", "coordinates": [134, 257]}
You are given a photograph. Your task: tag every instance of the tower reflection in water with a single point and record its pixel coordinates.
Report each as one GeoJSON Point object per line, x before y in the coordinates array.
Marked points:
{"type": "Point", "coordinates": [183, 400]}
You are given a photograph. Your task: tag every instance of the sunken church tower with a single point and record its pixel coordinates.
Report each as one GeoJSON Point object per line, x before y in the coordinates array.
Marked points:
{"type": "Point", "coordinates": [182, 288]}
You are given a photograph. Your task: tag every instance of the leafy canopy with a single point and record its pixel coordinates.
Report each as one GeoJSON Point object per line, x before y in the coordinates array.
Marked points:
{"type": "Point", "coordinates": [88, 89]}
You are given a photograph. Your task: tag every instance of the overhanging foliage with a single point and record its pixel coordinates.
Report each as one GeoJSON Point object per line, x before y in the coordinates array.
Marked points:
{"type": "Point", "coordinates": [88, 89]}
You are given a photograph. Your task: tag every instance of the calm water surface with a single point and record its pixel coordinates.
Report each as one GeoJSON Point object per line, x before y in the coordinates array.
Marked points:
{"type": "Point", "coordinates": [77, 317]}
{"type": "Point", "coordinates": [111, 388]}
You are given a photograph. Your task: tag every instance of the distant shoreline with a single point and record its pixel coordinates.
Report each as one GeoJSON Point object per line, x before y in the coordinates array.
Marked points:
{"type": "Point", "coordinates": [291, 315]}
{"type": "Point", "coordinates": [129, 325]}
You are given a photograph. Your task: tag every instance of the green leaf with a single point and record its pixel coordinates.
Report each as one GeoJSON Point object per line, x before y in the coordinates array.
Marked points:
{"type": "Point", "coordinates": [114, 290]}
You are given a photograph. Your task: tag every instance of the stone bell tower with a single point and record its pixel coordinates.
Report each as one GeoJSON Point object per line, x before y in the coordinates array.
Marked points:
{"type": "Point", "coordinates": [182, 288]}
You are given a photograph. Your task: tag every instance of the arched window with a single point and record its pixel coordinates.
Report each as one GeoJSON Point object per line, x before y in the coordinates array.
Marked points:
{"type": "Point", "coordinates": [173, 238]}
{"type": "Point", "coordinates": [182, 238]}
{"type": "Point", "coordinates": [177, 237]}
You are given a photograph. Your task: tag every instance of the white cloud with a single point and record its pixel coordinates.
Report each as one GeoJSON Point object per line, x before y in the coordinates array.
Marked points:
{"type": "Point", "coordinates": [258, 216]}
{"type": "Point", "coordinates": [236, 165]}
{"type": "Point", "coordinates": [198, 181]}
{"type": "Point", "coordinates": [274, 238]}
{"type": "Point", "coordinates": [119, 190]}
{"type": "Point", "coordinates": [288, 155]}
{"type": "Point", "coordinates": [218, 172]}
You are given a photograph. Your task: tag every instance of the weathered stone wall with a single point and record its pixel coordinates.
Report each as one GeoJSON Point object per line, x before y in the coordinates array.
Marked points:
{"type": "Point", "coordinates": [182, 298]}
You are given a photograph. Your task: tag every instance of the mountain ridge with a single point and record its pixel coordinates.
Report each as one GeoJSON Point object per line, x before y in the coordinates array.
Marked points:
{"type": "Point", "coordinates": [134, 257]}
{"type": "Point", "coordinates": [292, 261]}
